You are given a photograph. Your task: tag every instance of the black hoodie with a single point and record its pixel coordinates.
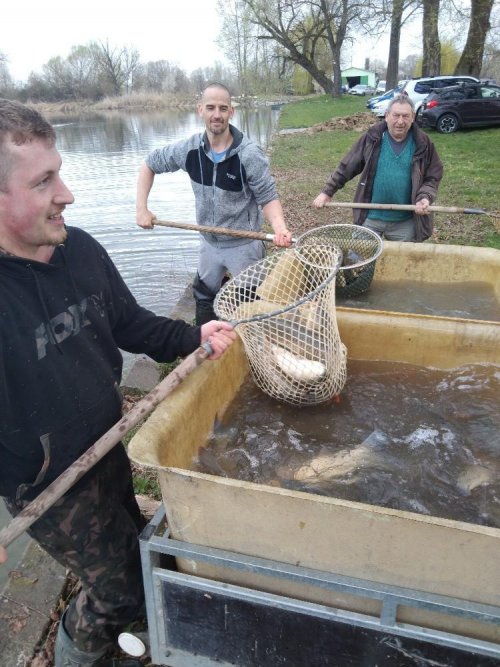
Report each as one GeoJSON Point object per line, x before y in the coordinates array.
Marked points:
{"type": "Point", "coordinates": [61, 326]}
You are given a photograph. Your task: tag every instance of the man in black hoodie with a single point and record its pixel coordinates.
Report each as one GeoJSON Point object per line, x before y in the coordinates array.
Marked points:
{"type": "Point", "coordinates": [65, 312]}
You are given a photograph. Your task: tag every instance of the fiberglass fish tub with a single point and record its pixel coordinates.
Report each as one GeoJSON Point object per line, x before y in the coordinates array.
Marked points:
{"type": "Point", "coordinates": [425, 555]}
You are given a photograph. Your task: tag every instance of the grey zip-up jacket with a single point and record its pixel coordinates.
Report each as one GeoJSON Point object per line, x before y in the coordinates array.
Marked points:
{"type": "Point", "coordinates": [228, 194]}
{"type": "Point", "coordinates": [426, 173]}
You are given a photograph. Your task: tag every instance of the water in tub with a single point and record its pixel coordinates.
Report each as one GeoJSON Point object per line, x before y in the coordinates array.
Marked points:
{"type": "Point", "coordinates": [402, 436]}
{"type": "Point", "coordinates": [468, 300]}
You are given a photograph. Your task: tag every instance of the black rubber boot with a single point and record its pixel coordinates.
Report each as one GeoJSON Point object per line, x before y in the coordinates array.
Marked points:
{"type": "Point", "coordinates": [204, 299]}
{"type": "Point", "coordinates": [66, 654]}
{"type": "Point", "coordinates": [204, 312]}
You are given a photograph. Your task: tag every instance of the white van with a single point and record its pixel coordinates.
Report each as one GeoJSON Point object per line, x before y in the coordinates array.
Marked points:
{"type": "Point", "coordinates": [418, 89]}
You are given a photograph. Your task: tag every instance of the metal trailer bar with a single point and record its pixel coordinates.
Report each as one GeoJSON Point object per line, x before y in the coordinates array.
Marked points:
{"type": "Point", "coordinates": [156, 544]}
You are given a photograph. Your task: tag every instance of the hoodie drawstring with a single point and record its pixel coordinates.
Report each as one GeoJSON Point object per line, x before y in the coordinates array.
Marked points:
{"type": "Point", "coordinates": [70, 275]}
{"type": "Point", "coordinates": [43, 302]}
{"type": "Point", "coordinates": [41, 298]}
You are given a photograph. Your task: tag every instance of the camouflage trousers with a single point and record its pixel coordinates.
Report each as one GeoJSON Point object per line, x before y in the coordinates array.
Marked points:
{"type": "Point", "coordinates": [93, 531]}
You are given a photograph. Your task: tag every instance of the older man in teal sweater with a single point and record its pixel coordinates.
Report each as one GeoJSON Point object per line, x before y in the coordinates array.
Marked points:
{"type": "Point", "coordinates": [398, 164]}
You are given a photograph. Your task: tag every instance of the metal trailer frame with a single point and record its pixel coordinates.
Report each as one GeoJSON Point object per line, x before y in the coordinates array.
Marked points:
{"type": "Point", "coordinates": [188, 616]}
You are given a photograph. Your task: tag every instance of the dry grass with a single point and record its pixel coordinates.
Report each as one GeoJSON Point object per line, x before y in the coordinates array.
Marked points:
{"type": "Point", "coordinates": [134, 101]}
{"type": "Point", "coordinates": [145, 101]}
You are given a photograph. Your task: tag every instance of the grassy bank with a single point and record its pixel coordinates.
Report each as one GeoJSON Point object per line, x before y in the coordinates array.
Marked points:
{"type": "Point", "coordinates": [303, 161]}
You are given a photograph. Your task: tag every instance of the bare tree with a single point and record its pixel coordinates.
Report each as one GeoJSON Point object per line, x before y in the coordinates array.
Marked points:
{"type": "Point", "coordinates": [300, 26]}
{"type": "Point", "coordinates": [395, 38]}
{"type": "Point", "coordinates": [116, 65]}
{"type": "Point", "coordinates": [431, 62]}
{"type": "Point", "coordinates": [401, 11]}
{"type": "Point", "coordinates": [238, 37]}
{"type": "Point", "coordinates": [5, 78]}
{"type": "Point", "coordinates": [83, 72]}
{"type": "Point", "coordinates": [336, 19]}
{"type": "Point", "coordinates": [408, 66]}
{"type": "Point", "coordinates": [57, 77]}
{"type": "Point", "coordinates": [202, 76]}
{"type": "Point", "coordinates": [491, 57]}
{"type": "Point", "coordinates": [160, 76]}
{"type": "Point", "coordinates": [491, 62]}
{"type": "Point", "coordinates": [261, 64]}
{"type": "Point", "coordinates": [152, 76]}
{"type": "Point", "coordinates": [471, 59]}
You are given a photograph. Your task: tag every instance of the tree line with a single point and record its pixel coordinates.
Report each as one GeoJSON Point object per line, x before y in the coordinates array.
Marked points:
{"type": "Point", "coordinates": [280, 46]}
{"type": "Point", "coordinates": [313, 35]}
{"type": "Point", "coordinates": [99, 69]}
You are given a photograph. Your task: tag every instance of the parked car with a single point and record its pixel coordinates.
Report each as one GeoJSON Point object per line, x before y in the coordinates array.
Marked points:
{"type": "Point", "coordinates": [465, 105]}
{"type": "Point", "coordinates": [374, 100]}
{"type": "Point", "coordinates": [381, 96]}
{"type": "Point", "coordinates": [361, 89]}
{"type": "Point", "coordinates": [381, 86]}
{"type": "Point", "coordinates": [379, 104]}
{"type": "Point", "coordinates": [418, 89]}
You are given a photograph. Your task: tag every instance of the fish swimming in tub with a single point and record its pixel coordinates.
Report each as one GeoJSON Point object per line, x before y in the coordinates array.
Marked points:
{"type": "Point", "coordinates": [474, 476]}
{"type": "Point", "coordinates": [328, 466]}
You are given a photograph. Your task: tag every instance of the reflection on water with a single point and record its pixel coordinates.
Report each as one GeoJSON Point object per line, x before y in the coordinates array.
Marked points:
{"type": "Point", "coordinates": [404, 437]}
{"type": "Point", "coordinates": [102, 154]}
{"type": "Point", "coordinates": [472, 300]}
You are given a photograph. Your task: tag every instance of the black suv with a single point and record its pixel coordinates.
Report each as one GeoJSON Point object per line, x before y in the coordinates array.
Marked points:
{"type": "Point", "coordinates": [463, 105]}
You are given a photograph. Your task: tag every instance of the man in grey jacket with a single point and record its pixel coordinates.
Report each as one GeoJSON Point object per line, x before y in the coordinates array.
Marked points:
{"type": "Point", "coordinates": [398, 164]}
{"type": "Point", "coordinates": [233, 188]}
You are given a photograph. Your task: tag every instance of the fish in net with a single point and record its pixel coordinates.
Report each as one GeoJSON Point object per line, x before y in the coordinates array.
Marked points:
{"type": "Point", "coordinates": [284, 311]}
{"type": "Point", "coordinates": [360, 248]}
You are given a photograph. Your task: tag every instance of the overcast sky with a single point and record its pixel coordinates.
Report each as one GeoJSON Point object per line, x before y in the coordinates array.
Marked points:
{"type": "Point", "coordinates": [182, 31]}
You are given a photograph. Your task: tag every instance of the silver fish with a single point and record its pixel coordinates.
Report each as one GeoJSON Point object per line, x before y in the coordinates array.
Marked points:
{"type": "Point", "coordinates": [330, 466]}
{"type": "Point", "coordinates": [474, 476]}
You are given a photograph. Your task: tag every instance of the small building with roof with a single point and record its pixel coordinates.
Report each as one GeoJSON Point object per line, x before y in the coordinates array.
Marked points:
{"type": "Point", "coordinates": [352, 76]}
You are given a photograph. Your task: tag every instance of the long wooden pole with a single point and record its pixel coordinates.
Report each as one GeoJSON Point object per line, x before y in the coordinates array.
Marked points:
{"type": "Point", "coordinates": [204, 229]}
{"type": "Point", "coordinates": [95, 453]}
{"type": "Point", "coordinates": [406, 207]}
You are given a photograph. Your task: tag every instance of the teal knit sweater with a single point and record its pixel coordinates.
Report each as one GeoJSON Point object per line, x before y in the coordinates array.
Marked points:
{"type": "Point", "coordinates": [392, 183]}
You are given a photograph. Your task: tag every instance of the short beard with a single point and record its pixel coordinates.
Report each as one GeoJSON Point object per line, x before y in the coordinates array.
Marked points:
{"type": "Point", "coordinates": [63, 235]}
{"type": "Point", "coordinates": [218, 130]}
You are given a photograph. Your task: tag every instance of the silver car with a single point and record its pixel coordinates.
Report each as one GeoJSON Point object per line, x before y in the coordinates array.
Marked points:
{"type": "Point", "coordinates": [361, 89]}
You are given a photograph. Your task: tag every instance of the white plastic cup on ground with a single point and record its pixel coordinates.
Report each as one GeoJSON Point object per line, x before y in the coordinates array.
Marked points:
{"type": "Point", "coordinates": [135, 645]}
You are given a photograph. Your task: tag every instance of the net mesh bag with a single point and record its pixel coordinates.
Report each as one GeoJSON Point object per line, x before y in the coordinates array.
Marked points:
{"type": "Point", "coordinates": [360, 248]}
{"type": "Point", "coordinates": [284, 310]}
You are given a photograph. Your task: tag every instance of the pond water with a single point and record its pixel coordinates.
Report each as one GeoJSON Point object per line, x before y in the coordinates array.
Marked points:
{"type": "Point", "coordinates": [402, 436]}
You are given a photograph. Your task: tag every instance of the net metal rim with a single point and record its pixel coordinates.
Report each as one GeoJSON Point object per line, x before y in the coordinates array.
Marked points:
{"type": "Point", "coordinates": [290, 306]}
{"type": "Point", "coordinates": [351, 227]}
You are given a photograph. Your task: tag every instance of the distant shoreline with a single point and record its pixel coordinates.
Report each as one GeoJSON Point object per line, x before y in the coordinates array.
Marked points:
{"type": "Point", "coordinates": [142, 102]}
